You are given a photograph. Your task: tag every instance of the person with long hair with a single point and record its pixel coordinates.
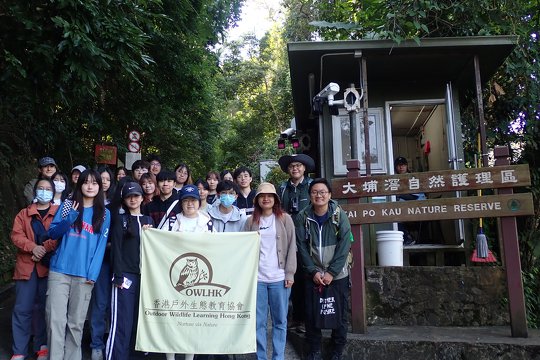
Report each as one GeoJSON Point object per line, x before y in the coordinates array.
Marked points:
{"type": "Point", "coordinates": [109, 184]}
{"type": "Point", "coordinates": [29, 235]}
{"type": "Point", "coordinates": [213, 179]}
{"type": "Point", "coordinates": [277, 265]}
{"type": "Point", "coordinates": [120, 172]}
{"type": "Point", "coordinates": [183, 177]}
{"type": "Point", "coordinates": [61, 187]}
{"type": "Point", "coordinates": [101, 294]}
{"type": "Point", "coordinates": [82, 226]}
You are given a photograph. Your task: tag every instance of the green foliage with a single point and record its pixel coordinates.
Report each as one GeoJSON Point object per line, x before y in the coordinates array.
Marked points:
{"type": "Point", "coordinates": [531, 285]}
{"type": "Point", "coordinates": [256, 102]}
{"type": "Point", "coordinates": [80, 73]}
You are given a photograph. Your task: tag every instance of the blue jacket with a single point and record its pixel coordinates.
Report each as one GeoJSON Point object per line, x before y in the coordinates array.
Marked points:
{"type": "Point", "coordinates": [78, 254]}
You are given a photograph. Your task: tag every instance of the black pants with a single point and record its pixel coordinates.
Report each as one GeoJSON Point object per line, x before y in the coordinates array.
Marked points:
{"type": "Point", "coordinates": [339, 335]}
{"type": "Point", "coordinates": [298, 292]}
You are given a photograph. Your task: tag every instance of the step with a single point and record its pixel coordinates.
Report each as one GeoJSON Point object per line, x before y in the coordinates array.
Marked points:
{"type": "Point", "coordinates": [433, 343]}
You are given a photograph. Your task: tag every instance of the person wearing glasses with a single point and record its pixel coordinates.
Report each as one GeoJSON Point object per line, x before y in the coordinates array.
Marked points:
{"type": "Point", "coordinates": [155, 164]}
{"type": "Point", "coordinates": [294, 196]}
{"type": "Point", "coordinates": [323, 237]}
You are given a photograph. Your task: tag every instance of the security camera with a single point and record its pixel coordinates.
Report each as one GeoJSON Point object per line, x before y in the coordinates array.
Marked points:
{"type": "Point", "coordinates": [328, 92]}
{"type": "Point", "coordinates": [288, 133]}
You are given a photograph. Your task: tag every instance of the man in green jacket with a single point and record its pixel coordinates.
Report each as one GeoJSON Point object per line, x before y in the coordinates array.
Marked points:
{"type": "Point", "coordinates": [323, 236]}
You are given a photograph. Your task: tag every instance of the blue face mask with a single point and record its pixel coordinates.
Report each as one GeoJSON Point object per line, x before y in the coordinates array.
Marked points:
{"type": "Point", "coordinates": [44, 196]}
{"type": "Point", "coordinates": [227, 200]}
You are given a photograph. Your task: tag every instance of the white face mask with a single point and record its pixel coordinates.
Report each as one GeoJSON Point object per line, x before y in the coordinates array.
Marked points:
{"type": "Point", "coordinates": [59, 186]}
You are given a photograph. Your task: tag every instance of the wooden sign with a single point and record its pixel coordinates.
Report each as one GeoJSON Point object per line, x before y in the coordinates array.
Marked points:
{"type": "Point", "coordinates": [105, 154]}
{"type": "Point", "coordinates": [441, 209]}
{"type": "Point", "coordinates": [432, 181]}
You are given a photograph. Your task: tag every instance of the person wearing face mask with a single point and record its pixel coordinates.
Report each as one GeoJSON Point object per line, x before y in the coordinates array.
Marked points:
{"type": "Point", "coordinates": [61, 187]}
{"type": "Point", "coordinates": [226, 216]}
{"type": "Point", "coordinates": [31, 270]}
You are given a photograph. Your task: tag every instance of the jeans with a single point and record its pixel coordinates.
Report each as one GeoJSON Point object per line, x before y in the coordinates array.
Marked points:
{"type": "Point", "coordinates": [99, 306]}
{"type": "Point", "coordinates": [339, 335]}
{"type": "Point", "coordinates": [273, 296]}
{"type": "Point", "coordinates": [29, 293]}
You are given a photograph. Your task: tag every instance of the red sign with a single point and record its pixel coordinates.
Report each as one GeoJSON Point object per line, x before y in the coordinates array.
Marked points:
{"type": "Point", "coordinates": [134, 147]}
{"type": "Point", "coordinates": [105, 154]}
{"type": "Point", "coordinates": [134, 135]}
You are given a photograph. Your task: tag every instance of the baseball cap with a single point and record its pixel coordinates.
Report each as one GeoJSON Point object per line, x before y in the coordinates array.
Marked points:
{"type": "Point", "coordinates": [189, 191]}
{"type": "Point", "coordinates": [79, 168]}
{"type": "Point", "coordinates": [47, 160]}
{"type": "Point", "coordinates": [131, 188]}
{"type": "Point", "coordinates": [400, 161]}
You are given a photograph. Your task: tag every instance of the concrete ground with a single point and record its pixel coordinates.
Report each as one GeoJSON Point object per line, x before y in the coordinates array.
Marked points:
{"type": "Point", "coordinates": [7, 298]}
{"type": "Point", "coordinates": [380, 342]}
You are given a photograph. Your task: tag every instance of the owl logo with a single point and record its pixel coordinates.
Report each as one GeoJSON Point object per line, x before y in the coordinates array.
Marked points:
{"type": "Point", "coordinates": [189, 274]}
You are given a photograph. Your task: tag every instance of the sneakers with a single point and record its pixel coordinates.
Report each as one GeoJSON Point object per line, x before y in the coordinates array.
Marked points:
{"type": "Point", "coordinates": [17, 357]}
{"type": "Point", "coordinates": [43, 353]}
{"type": "Point", "coordinates": [97, 354]}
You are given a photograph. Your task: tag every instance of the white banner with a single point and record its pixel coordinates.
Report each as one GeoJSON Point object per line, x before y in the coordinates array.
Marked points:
{"type": "Point", "coordinates": [198, 292]}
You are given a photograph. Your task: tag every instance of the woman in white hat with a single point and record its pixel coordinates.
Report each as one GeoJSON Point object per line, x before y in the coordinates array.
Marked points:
{"type": "Point", "coordinates": [277, 265]}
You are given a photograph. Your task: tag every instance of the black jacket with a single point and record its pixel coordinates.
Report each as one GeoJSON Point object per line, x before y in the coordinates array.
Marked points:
{"type": "Point", "coordinates": [125, 244]}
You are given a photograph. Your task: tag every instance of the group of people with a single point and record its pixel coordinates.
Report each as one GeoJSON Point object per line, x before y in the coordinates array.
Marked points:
{"type": "Point", "coordinates": [69, 250]}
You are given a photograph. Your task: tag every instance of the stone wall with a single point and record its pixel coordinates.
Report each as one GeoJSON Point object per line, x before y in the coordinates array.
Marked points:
{"type": "Point", "coordinates": [436, 296]}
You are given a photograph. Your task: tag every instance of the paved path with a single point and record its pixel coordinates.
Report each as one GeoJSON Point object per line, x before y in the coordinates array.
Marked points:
{"type": "Point", "coordinates": [7, 298]}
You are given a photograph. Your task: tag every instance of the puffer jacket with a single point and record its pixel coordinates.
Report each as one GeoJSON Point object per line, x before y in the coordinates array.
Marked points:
{"type": "Point", "coordinates": [23, 237]}
{"type": "Point", "coordinates": [324, 248]}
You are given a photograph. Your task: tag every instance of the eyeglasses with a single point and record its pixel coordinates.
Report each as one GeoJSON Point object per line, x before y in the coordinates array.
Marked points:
{"type": "Point", "coordinates": [155, 164]}
{"type": "Point", "coordinates": [295, 165]}
{"type": "Point", "coordinates": [319, 193]}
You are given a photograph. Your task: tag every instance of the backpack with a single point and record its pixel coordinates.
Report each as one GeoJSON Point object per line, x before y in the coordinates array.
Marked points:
{"type": "Point", "coordinates": [335, 221]}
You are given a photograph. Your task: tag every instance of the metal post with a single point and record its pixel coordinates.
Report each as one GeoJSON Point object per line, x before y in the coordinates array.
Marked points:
{"type": "Point", "coordinates": [363, 75]}
{"type": "Point", "coordinates": [352, 128]}
{"type": "Point", "coordinates": [516, 297]}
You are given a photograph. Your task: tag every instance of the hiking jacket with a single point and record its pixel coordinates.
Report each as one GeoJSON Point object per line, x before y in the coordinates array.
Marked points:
{"type": "Point", "coordinates": [126, 243]}
{"type": "Point", "coordinates": [294, 198]}
{"type": "Point", "coordinates": [23, 238]}
{"type": "Point", "coordinates": [325, 248]}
